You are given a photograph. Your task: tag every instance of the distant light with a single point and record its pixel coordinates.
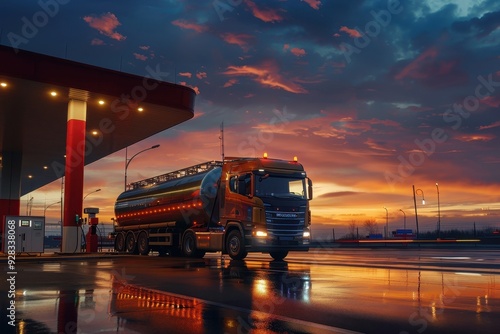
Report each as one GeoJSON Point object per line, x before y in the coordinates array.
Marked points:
{"type": "Point", "coordinates": [95, 132]}
{"type": "Point", "coordinates": [140, 109]}
{"type": "Point", "coordinates": [101, 102]}
{"type": "Point", "coordinates": [423, 202]}
{"type": "Point", "coordinates": [30, 176]}
{"type": "Point", "coordinates": [53, 93]}
{"type": "Point", "coordinates": [45, 167]}
{"type": "Point", "coordinates": [3, 84]}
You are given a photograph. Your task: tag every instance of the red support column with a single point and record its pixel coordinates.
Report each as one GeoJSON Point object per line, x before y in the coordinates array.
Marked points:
{"type": "Point", "coordinates": [75, 161]}
{"type": "Point", "coordinates": [10, 187]}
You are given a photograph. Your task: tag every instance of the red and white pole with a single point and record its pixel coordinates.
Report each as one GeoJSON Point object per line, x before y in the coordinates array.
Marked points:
{"type": "Point", "coordinates": [75, 162]}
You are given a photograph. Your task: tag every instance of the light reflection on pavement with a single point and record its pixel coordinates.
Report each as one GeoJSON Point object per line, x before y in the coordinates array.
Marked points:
{"type": "Point", "coordinates": [310, 293]}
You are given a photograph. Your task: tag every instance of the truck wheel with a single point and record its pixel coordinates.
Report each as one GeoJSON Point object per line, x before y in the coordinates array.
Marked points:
{"type": "Point", "coordinates": [234, 245]}
{"type": "Point", "coordinates": [189, 246]}
{"type": "Point", "coordinates": [143, 243]}
{"type": "Point", "coordinates": [130, 243]}
{"type": "Point", "coordinates": [120, 242]}
{"type": "Point", "coordinates": [279, 255]}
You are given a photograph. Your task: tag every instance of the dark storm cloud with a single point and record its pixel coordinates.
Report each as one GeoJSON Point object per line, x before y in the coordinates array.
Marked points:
{"type": "Point", "coordinates": [479, 26]}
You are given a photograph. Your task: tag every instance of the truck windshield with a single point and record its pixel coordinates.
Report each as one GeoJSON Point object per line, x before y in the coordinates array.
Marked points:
{"type": "Point", "coordinates": [282, 186]}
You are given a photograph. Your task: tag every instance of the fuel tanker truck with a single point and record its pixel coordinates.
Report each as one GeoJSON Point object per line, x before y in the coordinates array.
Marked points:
{"type": "Point", "coordinates": [234, 206]}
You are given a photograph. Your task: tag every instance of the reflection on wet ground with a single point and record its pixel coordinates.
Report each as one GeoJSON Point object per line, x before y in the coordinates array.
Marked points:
{"type": "Point", "coordinates": [122, 307]}
{"type": "Point", "coordinates": [175, 295]}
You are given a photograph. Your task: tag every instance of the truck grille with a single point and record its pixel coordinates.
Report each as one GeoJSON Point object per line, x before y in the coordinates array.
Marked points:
{"type": "Point", "coordinates": [285, 223]}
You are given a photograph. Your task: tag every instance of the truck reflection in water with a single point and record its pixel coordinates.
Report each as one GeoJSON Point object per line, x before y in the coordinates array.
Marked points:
{"type": "Point", "coordinates": [138, 308]}
{"type": "Point", "coordinates": [143, 310]}
{"type": "Point", "coordinates": [272, 279]}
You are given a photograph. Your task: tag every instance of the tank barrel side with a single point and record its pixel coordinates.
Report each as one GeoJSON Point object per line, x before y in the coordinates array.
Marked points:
{"type": "Point", "coordinates": [186, 199]}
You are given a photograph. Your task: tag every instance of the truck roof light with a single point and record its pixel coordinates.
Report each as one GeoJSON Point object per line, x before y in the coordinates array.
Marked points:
{"type": "Point", "coordinates": [295, 159]}
{"type": "Point", "coordinates": [265, 155]}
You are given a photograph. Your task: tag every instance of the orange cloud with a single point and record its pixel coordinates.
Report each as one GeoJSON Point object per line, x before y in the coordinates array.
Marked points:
{"type": "Point", "coordinates": [313, 3]}
{"type": "Point", "coordinates": [230, 83]}
{"type": "Point", "coordinates": [189, 25]}
{"type": "Point", "coordinates": [266, 15]}
{"type": "Point", "coordinates": [238, 39]}
{"type": "Point", "coordinates": [267, 76]}
{"type": "Point", "coordinates": [493, 125]}
{"type": "Point", "coordinates": [185, 74]}
{"type": "Point", "coordinates": [140, 56]}
{"type": "Point", "coordinates": [351, 32]}
{"type": "Point", "coordinates": [476, 137]}
{"type": "Point", "coordinates": [201, 75]}
{"type": "Point", "coordinates": [298, 52]}
{"type": "Point", "coordinates": [106, 25]}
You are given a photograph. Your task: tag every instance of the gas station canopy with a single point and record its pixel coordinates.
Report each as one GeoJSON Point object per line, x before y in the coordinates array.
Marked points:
{"type": "Point", "coordinates": [122, 109]}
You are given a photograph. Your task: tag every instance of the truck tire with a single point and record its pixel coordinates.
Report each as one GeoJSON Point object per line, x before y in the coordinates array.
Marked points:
{"type": "Point", "coordinates": [120, 242]}
{"type": "Point", "coordinates": [235, 246]}
{"type": "Point", "coordinates": [143, 243]}
{"type": "Point", "coordinates": [189, 246]}
{"type": "Point", "coordinates": [130, 243]}
{"type": "Point", "coordinates": [279, 255]}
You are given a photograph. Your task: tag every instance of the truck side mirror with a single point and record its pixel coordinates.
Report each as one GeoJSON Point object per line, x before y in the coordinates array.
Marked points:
{"type": "Point", "coordinates": [310, 188]}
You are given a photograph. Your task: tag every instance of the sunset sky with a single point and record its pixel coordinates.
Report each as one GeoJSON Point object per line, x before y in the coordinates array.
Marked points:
{"type": "Point", "coordinates": [372, 96]}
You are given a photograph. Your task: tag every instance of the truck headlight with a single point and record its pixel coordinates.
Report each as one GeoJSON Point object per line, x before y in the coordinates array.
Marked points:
{"type": "Point", "coordinates": [306, 234]}
{"type": "Point", "coordinates": [261, 234]}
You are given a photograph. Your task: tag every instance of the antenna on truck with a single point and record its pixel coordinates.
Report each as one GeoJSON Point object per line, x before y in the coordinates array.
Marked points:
{"type": "Point", "coordinates": [221, 137]}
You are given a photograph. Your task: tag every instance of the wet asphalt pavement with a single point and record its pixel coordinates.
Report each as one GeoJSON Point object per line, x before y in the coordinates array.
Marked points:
{"type": "Point", "coordinates": [323, 291]}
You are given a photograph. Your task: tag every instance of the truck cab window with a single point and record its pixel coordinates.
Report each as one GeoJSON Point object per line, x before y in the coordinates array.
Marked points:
{"type": "Point", "coordinates": [241, 184]}
{"type": "Point", "coordinates": [245, 184]}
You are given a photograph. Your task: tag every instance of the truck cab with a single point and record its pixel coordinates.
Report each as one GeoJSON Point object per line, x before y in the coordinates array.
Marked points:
{"type": "Point", "coordinates": [264, 206]}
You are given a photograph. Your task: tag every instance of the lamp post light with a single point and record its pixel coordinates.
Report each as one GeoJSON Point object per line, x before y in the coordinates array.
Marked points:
{"type": "Point", "coordinates": [45, 210]}
{"type": "Point", "coordinates": [404, 224]}
{"type": "Point", "coordinates": [439, 213]}
{"type": "Point", "coordinates": [416, 192]}
{"type": "Point", "coordinates": [84, 197]}
{"type": "Point", "coordinates": [127, 161]}
{"type": "Point", "coordinates": [386, 222]}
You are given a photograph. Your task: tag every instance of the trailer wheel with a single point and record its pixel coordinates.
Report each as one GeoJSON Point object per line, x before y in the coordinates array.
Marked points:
{"type": "Point", "coordinates": [189, 246]}
{"type": "Point", "coordinates": [120, 242]}
{"type": "Point", "coordinates": [235, 246]}
{"type": "Point", "coordinates": [143, 243]}
{"type": "Point", "coordinates": [279, 255]}
{"type": "Point", "coordinates": [130, 243]}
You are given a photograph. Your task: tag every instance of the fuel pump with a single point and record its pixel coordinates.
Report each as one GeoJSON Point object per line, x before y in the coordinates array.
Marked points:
{"type": "Point", "coordinates": [91, 237]}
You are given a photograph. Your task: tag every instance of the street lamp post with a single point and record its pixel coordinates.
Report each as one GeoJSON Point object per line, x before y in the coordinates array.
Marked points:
{"type": "Point", "coordinates": [127, 161]}
{"type": "Point", "coordinates": [29, 203]}
{"type": "Point", "coordinates": [439, 213]}
{"type": "Point", "coordinates": [45, 210]}
{"type": "Point", "coordinates": [416, 192]}
{"type": "Point", "coordinates": [404, 224]}
{"type": "Point", "coordinates": [84, 197]}
{"type": "Point", "coordinates": [386, 222]}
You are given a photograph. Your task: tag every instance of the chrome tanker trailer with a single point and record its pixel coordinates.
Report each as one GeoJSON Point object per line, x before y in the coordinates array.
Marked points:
{"type": "Point", "coordinates": [236, 206]}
